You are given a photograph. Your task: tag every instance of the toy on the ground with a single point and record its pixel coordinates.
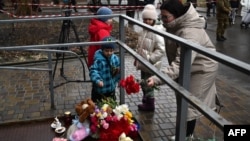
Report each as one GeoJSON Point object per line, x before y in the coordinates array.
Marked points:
{"type": "Point", "coordinates": [84, 109]}
{"type": "Point", "coordinates": [78, 131]}
{"type": "Point", "coordinates": [59, 139]}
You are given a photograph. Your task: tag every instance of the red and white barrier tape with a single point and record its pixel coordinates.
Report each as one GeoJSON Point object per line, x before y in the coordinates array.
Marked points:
{"type": "Point", "coordinates": [52, 15]}
{"type": "Point", "coordinates": [89, 6]}
{"type": "Point", "coordinates": [78, 6]}
{"type": "Point", "coordinates": [71, 6]}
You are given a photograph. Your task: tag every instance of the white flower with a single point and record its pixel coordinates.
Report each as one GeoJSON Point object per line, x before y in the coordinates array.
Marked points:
{"type": "Point", "coordinates": [104, 115]}
{"type": "Point", "coordinates": [124, 138]}
{"type": "Point", "coordinates": [120, 110]}
{"type": "Point", "coordinates": [104, 107]}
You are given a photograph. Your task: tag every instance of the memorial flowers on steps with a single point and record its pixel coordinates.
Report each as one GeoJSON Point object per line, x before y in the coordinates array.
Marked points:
{"type": "Point", "coordinates": [111, 124]}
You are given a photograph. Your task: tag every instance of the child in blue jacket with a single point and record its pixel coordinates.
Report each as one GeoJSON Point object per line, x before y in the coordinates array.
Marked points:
{"type": "Point", "coordinates": [104, 73]}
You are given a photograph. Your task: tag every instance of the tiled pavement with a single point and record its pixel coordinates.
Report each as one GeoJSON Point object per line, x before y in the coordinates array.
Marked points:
{"type": "Point", "coordinates": [24, 95]}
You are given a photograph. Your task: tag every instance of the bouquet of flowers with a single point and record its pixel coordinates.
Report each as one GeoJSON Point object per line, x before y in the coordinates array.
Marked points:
{"type": "Point", "coordinates": [130, 85]}
{"type": "Point", "coordinates": [105, 123]}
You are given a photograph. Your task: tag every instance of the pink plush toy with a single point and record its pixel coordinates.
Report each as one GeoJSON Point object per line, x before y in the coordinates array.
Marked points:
{"type": "Point", "coordinates": [59, 139]}
{"type": "Point", "coordinates": [78, 131]}
{"type": "Point", "coordinates": [79, 134]}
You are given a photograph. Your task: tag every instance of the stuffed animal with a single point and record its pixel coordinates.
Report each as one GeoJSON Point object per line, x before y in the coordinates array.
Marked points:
{"type": "Point", "coordinates": [84, 109]}
{"type": "Point", "coordinates": [78, 131]}
{"type": "Point", "coordinates": [59, 139]}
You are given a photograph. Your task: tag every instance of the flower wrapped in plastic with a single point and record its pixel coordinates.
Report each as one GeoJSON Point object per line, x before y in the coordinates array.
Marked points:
{"type": "Point", "coordinates": [130, 85]}
{"type": "Point", "coordinates": [105, 123]}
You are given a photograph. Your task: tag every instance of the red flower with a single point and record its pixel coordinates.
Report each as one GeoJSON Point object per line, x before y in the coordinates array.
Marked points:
{"type": "Point", "coordinates": [130, 85]}
{"type": "Point", "coordinates": [115, 130]}
{"type": "Point", "coordinates": [123, 83]}
{"type": "Point", "coordinates": [109, 126]}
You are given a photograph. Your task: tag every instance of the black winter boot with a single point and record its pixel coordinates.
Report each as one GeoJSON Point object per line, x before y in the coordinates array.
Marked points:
{"type": "Point", "coordinates": [224, 38]}
{"type": "Point", "coordinates": [149, 105]}
{"type": "Point", "coordinates": [219, 38]}
{"type": "Point", "coordinates": [242, 25]}
{"type": "Point", "coordinates": [144, 99]}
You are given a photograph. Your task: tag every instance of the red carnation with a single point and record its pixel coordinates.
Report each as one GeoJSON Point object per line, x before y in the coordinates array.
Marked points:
{"type": "Point", "coordinates": [130, 85]}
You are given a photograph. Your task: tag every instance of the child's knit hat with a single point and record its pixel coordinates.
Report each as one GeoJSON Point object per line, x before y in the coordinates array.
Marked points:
{"type": "Point", "coordinates": [149, 12]}
{"type": "Point", "coordinates": [108, 45]}
{"type": "Point", "coordinates": [104, 11]}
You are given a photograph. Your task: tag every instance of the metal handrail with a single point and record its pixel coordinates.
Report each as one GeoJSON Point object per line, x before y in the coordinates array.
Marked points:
{"type": "Point", "coordinates": [182, 93]}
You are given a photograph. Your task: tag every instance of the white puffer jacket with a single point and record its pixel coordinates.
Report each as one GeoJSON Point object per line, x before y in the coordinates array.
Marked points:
{"type": "Point", "coordinates": [245, 7]}
{"type": "Point", "coordinates": [151, 47]}
{"type": "Point", "coordinates": [190, 26]}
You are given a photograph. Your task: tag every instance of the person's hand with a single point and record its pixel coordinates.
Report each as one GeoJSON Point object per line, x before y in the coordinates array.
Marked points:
{"type": "Point", "coordinates": [150, 82]}
{"type": "Point", "coordinates": [100, 84]}
{"type": "Point", "coordinates": [144, 54]}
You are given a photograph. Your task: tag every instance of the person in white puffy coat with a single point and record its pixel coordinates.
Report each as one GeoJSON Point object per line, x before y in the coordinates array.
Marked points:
{"type": "Point", "coordinates": [245, 8]}
{"type": "Point", "coordinates": [150, 46]}
{"type": "Point", "coordinates": [184, 21]}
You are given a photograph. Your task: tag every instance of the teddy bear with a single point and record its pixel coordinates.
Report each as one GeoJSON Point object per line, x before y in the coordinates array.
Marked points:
{"type": "Point", "coordinates": [84, 109]}
{"type": "Point", "coordinates": [79, 130]}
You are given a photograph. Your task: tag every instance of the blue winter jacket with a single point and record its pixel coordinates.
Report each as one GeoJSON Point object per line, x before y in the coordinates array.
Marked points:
{"type": "Point", "coordinates": [106, 70]}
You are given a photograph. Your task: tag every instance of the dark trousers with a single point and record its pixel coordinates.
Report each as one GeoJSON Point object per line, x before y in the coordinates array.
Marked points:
{"type": "Point", "coordinates": [221, 26]}
{"type": "Point", "coordinates": [98, 97]}
{"type": "Point", "coordinates": [36, 7]}
{"type": "Point", "coordinates": [147, 91]}
{"type": "Point", "coordinates": [190, 127]}
{"type": "Point", "coordinates": [56, 1]}
{"type": "Point", "coordinates": [209, 7]}
{"type": "Point", "coordinates": [1, 4]}
{"type": "Point", "coordinates": [131, 11]}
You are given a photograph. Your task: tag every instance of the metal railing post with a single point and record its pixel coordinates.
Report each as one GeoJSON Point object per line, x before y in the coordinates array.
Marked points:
{"type": "Point", "coordinates": [184, 79]}
{"type": "Point", "coordinates": [122, 54]}
{"type": "Point", "coordinates": [51, 80]}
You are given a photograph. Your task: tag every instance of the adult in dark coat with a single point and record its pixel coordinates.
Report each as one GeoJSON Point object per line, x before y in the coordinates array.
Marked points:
{"type": "Point", "coordinates": [211, 4]}
{"type": "Point", "coordinates": [1, 5]}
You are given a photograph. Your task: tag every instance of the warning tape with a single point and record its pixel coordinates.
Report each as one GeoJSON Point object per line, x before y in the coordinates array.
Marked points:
{"type": "Point", "coordinates": [43, 16]}
{"type": "Point", "coordinates": [131, 8]}
{"type": "Point", "coordinates": [52, 15]}
{"type": "Point", "coordinates": [77, 6]}
{"type": "Point", "coordinates": [89, 6]}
